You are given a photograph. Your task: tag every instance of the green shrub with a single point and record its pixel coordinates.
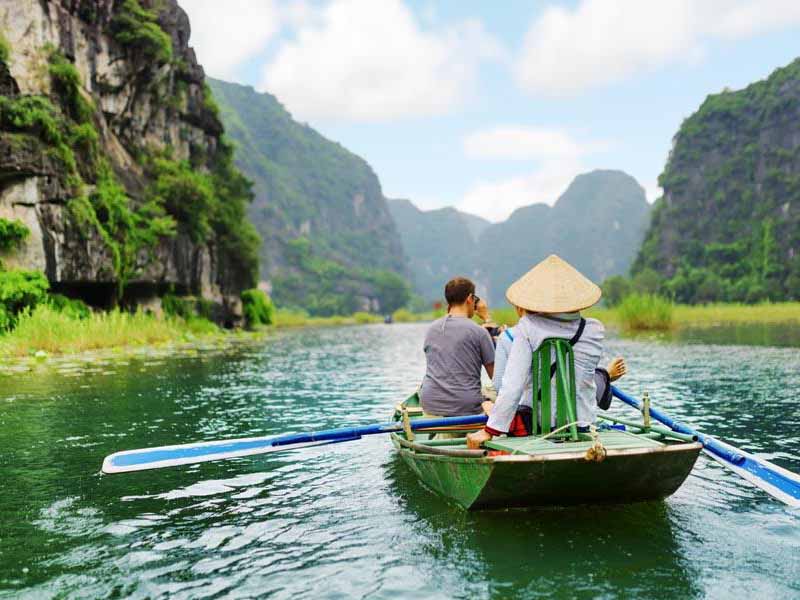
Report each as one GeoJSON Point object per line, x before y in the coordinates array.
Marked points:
{"type": "Point", "coordinates": [67, 83]}
{"type": "Point", "coordinates": [363, 318]}
{"type": "Point", "coordinates": [257, 308]}
{"type": "Point", "coordinates": [175, 306]}
{"type": "Point", "coordinates": [210, 203]}
{"type": "Point", "coordinates": [32, 114]}
{"type": "Point", "coordinates": [20, 290]}
{"type": "Point", "coordinates": [615, 289]}
{"type": "Point", "coordinates": [72, 307]}
{"type": "Point", "coordinates": [403, 315]}
{"type": "Point", "coordinates": [137, 29]}
{"type": "Point", "coordinates": [5, 49]}
{"type": "Point", "coordinates": [646, 312]}
{"type": "Point", "coordinates": [186, 194]}
{"type": "Point", "coordinates": [12, 234]}
{"type": "Point", "coordinates": [208, 101]}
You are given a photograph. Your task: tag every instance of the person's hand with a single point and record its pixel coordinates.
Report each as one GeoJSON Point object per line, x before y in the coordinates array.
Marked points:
{"type": "Point", "coordinates": [476, 438]}
{"type": "Point", "coordinates": [487, 406]}
{"type": "Point", "coordinates": [617, 368]}
{"type": "Point", "coordinates": [482, 310]}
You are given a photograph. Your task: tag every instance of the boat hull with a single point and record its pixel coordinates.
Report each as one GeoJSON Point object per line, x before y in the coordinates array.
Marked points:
{"type": "Point", "coordinates": [506, 481]}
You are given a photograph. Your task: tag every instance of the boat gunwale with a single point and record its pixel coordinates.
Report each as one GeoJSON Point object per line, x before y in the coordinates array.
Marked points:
{"type": "Point", "coordinates": [529, 458]}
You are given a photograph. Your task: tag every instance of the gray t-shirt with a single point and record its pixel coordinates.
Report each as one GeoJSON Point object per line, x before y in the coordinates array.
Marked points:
{"type": "Point", "coordinates": [455, 350]}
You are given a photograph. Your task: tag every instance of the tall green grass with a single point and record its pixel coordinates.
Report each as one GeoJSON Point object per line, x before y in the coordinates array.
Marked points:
{"type": "Point", "coordinates": [56, 332]}
{"type": "Point", "coordinates": [646, 312]}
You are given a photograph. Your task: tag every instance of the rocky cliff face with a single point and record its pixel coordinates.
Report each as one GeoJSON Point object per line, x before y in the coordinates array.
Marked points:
{"type": "Point", "coordinates": [138, 98]}
{"type": "Point", "coordinates": [728, 225]}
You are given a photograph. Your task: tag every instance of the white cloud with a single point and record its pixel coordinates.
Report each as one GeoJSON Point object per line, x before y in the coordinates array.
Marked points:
{"type": "Point", "coordinates": [369, 60]}
{"type": "Point", "coordinates": [527, 143]}
{"type": "Point", "coordinates": [496, 200]}
{"type": "Point", "coordinates": [225, 36]}
{"type": "Point", "coordinates": [555, 155]}
{"type": "Point", "coordinates": [602, 41]}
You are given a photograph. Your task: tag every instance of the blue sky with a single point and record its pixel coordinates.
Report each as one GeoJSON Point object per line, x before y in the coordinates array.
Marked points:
{"type": "Point", "coordinates": [488, 106]}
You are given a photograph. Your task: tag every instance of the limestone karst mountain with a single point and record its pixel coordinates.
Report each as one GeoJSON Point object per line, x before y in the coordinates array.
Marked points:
{"type": "Point", "coordinates": [112, 158]}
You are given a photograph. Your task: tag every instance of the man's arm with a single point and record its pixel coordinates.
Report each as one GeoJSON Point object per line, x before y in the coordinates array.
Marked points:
{"type": "Point", "coordinates": [489, 369]}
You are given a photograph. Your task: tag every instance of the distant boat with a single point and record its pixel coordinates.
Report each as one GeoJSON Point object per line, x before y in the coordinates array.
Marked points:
{"type": "Point", "coordinates": [639, 464]}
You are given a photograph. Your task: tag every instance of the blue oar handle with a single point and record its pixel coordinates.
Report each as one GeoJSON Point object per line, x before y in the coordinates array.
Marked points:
{"type": "Point", "coordinates": [353, 433]}
{"type": "Point", "coordinates": [709, 443]}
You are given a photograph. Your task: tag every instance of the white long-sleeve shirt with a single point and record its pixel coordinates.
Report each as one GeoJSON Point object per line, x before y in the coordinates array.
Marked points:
{"type": "Point", "coordinates": [517, 383]}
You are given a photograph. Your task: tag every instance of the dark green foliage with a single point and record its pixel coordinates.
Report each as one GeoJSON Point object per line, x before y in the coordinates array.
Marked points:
{"type": "Point", "coordinates": [20, 290]}
{"type": "Point", "coordinates": [138, 31]}
{"type": "Point", "coordinates": [126, 229]}
{"type": "Point", "coordinates": [206, 203]}
{"type": "Point", "coordinates": [72, 307]}
{"type": "Point", "coordinates": [67, 83]}
{"type": "Point", "coordinates": [328, 288]}
{"type": "Point", "coordinates": [728, 228]}
{"type": "Point", "coordinates": [176, 306]}
{"type": "Point", "coordinates": [186, 194]}
{"type": "Point", "coordinates": [5, 49]}
{"type": "Point", "coordinates": [208, 101]}
{"type": "Point", "coordinates": [257, 308]}
{"type": "Point", "coordinates": [391, 290]}
{"type": "Point", "coordinates": [37, 116]}
{"type": "Point", "coordinates": [615, 289]}
{"type": "Point", "coordinates": [12, 234]}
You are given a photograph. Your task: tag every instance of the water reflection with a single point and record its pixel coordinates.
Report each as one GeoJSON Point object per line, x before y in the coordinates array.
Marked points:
{"type": "Point", "coordinates": [577, 552]}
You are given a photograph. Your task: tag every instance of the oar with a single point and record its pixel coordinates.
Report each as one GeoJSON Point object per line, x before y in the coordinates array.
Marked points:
{"type": "Point", "coordinates": [776, 481]}
{"type": "Point", "coordinates": [185, 454]}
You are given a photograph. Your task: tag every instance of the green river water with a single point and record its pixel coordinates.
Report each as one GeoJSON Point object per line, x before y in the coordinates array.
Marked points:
{"type": "Point", "coordinates": [350, 520]}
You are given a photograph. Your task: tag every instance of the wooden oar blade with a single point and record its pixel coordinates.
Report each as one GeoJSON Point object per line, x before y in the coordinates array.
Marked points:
{"type": "Point", "coordinates": [187, 454]}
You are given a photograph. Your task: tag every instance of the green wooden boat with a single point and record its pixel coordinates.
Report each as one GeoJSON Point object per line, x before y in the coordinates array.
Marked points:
{"type": "Point", "coordinates": [531, 471]}
{"type": "Point", "coordinates": [561, 466]}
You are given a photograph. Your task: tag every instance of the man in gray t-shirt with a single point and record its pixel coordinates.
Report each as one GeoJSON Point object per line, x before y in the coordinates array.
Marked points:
{"type": "Point", "coordinates": [455, 349]}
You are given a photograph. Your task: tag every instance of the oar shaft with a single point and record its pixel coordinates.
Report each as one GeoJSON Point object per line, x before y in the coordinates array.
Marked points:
{"type": "Point", "coordinates": [708, 442]}
{"type": "Point", "coordinates": [352, 433]}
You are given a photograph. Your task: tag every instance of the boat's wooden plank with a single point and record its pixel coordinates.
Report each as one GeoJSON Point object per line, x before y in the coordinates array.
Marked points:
{"type": "Point", "coordinates": [535, 445]}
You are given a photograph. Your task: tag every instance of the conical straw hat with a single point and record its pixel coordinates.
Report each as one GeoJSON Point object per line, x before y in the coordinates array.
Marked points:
{"type": "Point", "coordinates": [553, 286]}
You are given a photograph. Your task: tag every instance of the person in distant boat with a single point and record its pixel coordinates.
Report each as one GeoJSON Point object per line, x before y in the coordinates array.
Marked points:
{"type": "Point", "coordinates": [456, 348]}
{"type": "Point", "coordinates": [602, 376]}
{"type": "Point", "coordinates": [552, 294]}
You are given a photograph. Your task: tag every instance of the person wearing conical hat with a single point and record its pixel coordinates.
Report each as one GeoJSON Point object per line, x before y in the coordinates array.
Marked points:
{"type": "Point", "coordinates": [603, 376]}
{"type": "Point", "coordinates": [552, 294]}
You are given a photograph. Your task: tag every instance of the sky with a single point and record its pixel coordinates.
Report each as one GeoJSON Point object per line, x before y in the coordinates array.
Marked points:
{"type": "Point", "coordinates": [489, 106]}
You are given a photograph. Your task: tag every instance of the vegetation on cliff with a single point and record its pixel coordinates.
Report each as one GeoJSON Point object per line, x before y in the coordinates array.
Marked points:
{"type": "Point", "coordinates": [728, 225]}
{"type": "Point", "coordinates": [330, 245]}
{"type": "Point", "coordinates": [124, 196]}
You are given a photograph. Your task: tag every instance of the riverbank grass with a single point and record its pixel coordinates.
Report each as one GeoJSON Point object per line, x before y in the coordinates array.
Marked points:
{"type": "Point", "coordinates": [50, 331]}
{"type": "Point", "coordinates": [702, 315]}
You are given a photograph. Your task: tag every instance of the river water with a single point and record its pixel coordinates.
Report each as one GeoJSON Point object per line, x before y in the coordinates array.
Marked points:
{"type": "Point", "coordinates": [350, 520]}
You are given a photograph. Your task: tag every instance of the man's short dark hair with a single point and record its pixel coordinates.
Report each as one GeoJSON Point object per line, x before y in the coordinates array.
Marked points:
{"type": "Point", "coordinates": [458, 290]}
